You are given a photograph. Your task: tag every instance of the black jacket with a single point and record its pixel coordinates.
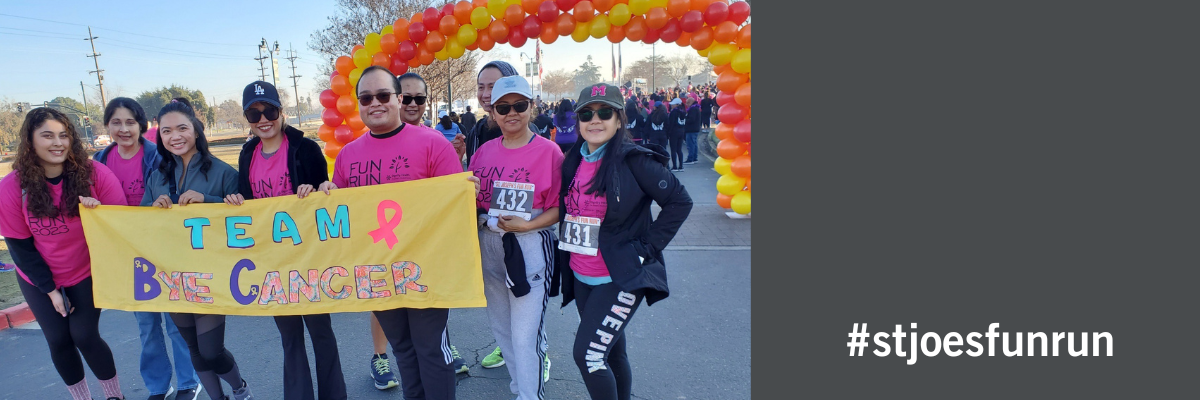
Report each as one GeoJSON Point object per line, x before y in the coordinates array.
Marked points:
{"type": "Point", "coordinates": [692, 121]}
{"type": "Point", "coordinates": [675, 122]}
{"type": "Point", "coordinates": [468, 121]}
{"type": "Point", "coordinates": [543, 123]}
{"type": "Point", "coordinates": [637, 124]}
{"type": "Point", "coordinates": [483, 132]}
{"type": "Point", "coordinates": [706, 107]}
{"type": "Point", "coordinates": [627, 230]}
{"type": "Point", "coordinates": [305, 160]}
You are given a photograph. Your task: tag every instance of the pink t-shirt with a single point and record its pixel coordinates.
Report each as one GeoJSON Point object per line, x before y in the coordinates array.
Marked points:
{"type": "Point", "coordinates": [269, 177]}
{"type": "Point", "coordinates": [539, 162]}
{"type": "Point", "coordinates": [129, 172]}
{"type": "Point", "coordinates": [59, 240]}
{"type": "Point", "coordinates": [415, 152]}
{"type": "Point", "coordinates": [586, 205]}
{"type": "Point", "coordinates": [151, 135]}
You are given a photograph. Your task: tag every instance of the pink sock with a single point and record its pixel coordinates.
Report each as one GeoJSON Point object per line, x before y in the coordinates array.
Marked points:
{"type": "Point", "coordinates": [112, 388]}
{"type": "Point", "coordinates": [80, 391]}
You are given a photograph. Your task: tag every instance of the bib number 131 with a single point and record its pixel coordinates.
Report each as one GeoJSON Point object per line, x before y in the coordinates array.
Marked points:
{"type": "Point", "coordinates": [512, 198]}
{"type": "Point", "coordinates": [580, 235]}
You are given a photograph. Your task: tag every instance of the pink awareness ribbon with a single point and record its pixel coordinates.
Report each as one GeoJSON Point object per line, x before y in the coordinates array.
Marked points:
{"type": "Point", "coordinates": [386, 231]}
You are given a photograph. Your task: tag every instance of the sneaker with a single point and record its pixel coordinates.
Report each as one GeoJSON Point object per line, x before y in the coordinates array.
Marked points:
{"type": "Point", "coordinates": [546, 371]}
{"type": "Point", "coordinates": [381, 371]}
{"type": "Point", "coordinates": [493, 360]}
{"type": "Point", "coordinates": [163, 396]}
{"type": "Point", "coordinates": [459, 365]}
{"type": "Point", "coordinates": [7, 267]}
{"type": "Point", "coordinates": [690, 162]}
{"type": "Point", "coordinates": [190, 394]}
{"type": "Point", "coordinates": [243, 393]}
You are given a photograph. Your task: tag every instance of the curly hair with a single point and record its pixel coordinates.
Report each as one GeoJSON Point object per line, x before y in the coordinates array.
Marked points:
{"type": "Point", "coordinates": [76, 173]}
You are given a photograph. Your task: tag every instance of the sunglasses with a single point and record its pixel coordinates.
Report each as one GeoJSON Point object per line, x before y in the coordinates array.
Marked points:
{"type": "Point", "coordinates": [382, 97]}
{"type": "Point", "coordinates": [409, 99]}
{"type": "Point", "coordinates": [604, 113]}
{"type": "Point", "coordinates": [520, 106]}
{"type": "Point", "coordinates": [253, 115]}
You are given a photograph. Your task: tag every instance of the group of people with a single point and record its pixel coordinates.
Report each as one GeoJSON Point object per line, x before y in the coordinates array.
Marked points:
{"type": "Point", "coordinates": [586, 232]}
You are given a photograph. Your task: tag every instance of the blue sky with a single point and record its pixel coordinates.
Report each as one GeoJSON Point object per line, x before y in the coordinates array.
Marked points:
{"type": "Point", "coordinates": [208, 46]}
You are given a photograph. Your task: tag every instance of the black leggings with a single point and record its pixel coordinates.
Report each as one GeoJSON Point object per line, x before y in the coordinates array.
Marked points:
{"type": "Point", "coordinates": [79, 330]}
{"type": "Point", "coordinates": [676, 150]}
{"type": "Point", "coordinates": [205, 337]}
{"type": "Point", "coordinates": [604, 314]}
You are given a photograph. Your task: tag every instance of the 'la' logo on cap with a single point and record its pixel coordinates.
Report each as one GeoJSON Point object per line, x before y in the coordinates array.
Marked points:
{"type": "Point", "coordinates": [598, 89]}
{"type": "Point", "coordinates": [258, 89]}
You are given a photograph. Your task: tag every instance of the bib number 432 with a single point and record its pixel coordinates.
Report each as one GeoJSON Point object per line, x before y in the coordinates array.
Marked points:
{"type": "Point", "coordinates": [512, 198]}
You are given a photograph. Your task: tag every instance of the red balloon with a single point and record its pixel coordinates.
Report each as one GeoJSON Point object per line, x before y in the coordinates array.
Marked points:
{"type": "Point", "coordinates": [741, 132]}
{"type": "Point", "coordinates": [516, 38]}
{"type": "Point", "coordinates": [738, 12]}
{"type": "Point", "coordinates": [716, 13]}
{"type": "Point", "coordinates": [547, 12]}
{"type": "Point", "coordinates": [565, 5]}
{"type": "Point", "coordinates": [651, 36]}
{"type": "Point", "coordinates": [431, 16]}
{"type": "Point", "coordinates": [670, 33]}
{"type": "Point", "coordinates": [407, 50]}
{"type": "Point", "coordinates": [329, 98]}
{"type": "Point", "coordinates": [731, 113]}
{"type": "Point", "coordinates": [398, 66]}
{"type": "Point", "coordinates": [447, 10]}
{"type": "Point", "coordinates": [343, 135]}
{"type": "Point", "coordinates": [417, 32]}
{"type": "Point", "coordinates": [331, 117]}
{"type": "Point", "coordinates": [691, 21]}
{"type": "Point", "coordinates": [724, 98]}
{"type": "Point", "coordinates": [532, 27]}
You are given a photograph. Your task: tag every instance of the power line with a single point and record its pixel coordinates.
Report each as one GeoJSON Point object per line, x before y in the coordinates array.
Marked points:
{"type": "Point", "coordinates": [124, 32]}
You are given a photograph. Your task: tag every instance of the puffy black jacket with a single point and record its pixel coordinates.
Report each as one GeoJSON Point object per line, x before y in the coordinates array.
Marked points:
{"type": "Point", "coordinates": [305, 160]}
{"type": "Point", "coordinates": [676, 121]}
{"type": "Point", "coordinates": [627, 230]}
{"type": "Point", "coordinates": [692, 121]}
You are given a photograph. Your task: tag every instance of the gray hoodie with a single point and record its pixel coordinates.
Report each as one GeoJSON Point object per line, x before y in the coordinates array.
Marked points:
{"type": "Point", "coordinates": [221, 180]}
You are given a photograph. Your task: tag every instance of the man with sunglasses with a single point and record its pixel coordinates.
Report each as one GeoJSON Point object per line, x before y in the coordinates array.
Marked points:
{"type": "Point", "coordinates": [395, 151]}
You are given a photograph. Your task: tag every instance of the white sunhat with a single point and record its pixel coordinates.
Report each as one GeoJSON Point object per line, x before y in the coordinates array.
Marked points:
{"type": "Point", "coordinates": [511, 84]}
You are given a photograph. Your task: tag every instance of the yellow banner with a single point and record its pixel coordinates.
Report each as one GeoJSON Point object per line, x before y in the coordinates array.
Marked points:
{"type": "Point", "coordinates": [411, 244]}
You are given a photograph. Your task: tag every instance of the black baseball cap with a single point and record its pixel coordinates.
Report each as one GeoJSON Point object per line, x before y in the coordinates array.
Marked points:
{"type": "Point", "coordinates": [600, 93]}
{"type": "Point", "coordinates": [260, 91]}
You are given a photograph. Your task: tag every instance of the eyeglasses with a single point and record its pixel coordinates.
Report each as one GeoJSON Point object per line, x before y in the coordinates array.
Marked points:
{"type": "Point", "coordinates": [252, 115]}
{"type": "Point", "coordinates": [604, 113]}
{"type": "Point", "coordinates": [409, 99]}
{"type": "Point", "coordinates": [520, 106]}
{"type": "Point", "coordinates": [382, 97]}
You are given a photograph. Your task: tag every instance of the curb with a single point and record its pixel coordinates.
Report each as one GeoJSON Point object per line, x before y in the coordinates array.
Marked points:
{"type": "Point", "coordinates": [15, 316]}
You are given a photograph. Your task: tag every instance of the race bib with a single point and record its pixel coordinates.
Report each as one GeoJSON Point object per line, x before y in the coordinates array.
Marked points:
{"type": "Point", "coordinates": [512, 198]}
{"type": "Point", "coordinates": [580, 235]}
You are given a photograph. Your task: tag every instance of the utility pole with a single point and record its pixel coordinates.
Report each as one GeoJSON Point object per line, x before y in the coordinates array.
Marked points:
{"type": "Point", "coordinates": [295, 85]}
{"type": "Point", "coordinates": [274, 64]}
{"type": "Point", "coordinates": [99, 72]}
{"type": "Point", "coordinates": [262, 69]}
{"type": "Point", "coordinates": [653, 65]}
{"type": "Point", "coordinates": [86, 127]}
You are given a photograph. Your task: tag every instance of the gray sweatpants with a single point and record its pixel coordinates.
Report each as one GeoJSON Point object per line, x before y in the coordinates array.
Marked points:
{"type": "Point", "coordinates": [518, 323]}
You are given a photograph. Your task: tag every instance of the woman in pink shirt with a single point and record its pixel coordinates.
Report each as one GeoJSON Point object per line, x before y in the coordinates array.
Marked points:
{"type": "Point", "coordinates": [39, 219]}
{"type": "Point", "coordinates": [518, 203]}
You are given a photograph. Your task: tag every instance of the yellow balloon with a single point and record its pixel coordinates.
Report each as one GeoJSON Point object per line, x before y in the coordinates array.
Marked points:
{"type": "Point", "coordinates": [659, 3]}
{"type": "Point", "coordinates": [354, 75]}
{"type": "Point", "coordinates": [512, 3]}
{"type": "Point", "coordinates": [704, 52]}
{"type": "Point", "coordinates": [600, 26]}
{"type": "Point", "coordinates": [455, 49]}
{"type": "Point", "coordinates": [721, 53]}
{"type": "Point", "coordinates": [329, 163]}
{"type": "Point", "coordinates": [619, 15]}
{"type": "Point", "coordinates": [722, 166]}
{"type": "Point", "coordinates": [581, 32]}
{"type": "Point", "coordinates": [741, 202]}
{"type": "Point", "coordinates": [741, 61]}
{"type": "Point", "coordinates": [496, 9]}
{"type": "Point", "coordinates": [730, 184]}
{"type": "Point", "coordinates": [639, 7]}
{"type": "Point", "coordinates": [372, 43]}
{"type": "Point", "coordinates": [362, 59]}
{"type": "Point", "coordinates": [466, 35]}
{"type": "Point", "coordinates": [386, 30]}
{"type": "Point", "coordinates": [442, 54]}
{"type": "Point", "coordinates": [480, 17]}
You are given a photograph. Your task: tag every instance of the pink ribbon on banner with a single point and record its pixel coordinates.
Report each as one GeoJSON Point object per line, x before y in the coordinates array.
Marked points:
{"type": "Point", "coordinates": [386, 231]}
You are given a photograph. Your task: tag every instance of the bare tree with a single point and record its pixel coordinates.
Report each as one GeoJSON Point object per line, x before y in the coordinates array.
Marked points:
{"type": "Point", "coordinates": [229, 115]}
{"type": "Point", "coordinates": [680, 66]}
{"type": "Point", "coordinates": [558, 83]}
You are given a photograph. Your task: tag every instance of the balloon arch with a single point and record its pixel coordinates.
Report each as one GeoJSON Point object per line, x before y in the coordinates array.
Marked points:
{"type": "Point", "coordinates": [714, 28]}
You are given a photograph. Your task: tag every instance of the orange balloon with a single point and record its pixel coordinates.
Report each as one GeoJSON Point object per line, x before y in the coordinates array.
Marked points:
{"type": "Point", "coordinates": [719, 69]}
{"type": "Point", "coordinates": [616, 33]}
{"type": "Point", "coordinates": [332, 148]}
{"type": "Point", "coordinates": [635, 30]}
{"type": "Point", "coordinates": [497, 30]}
{"type": "Point", "coordinates": [742, 96]}
{"type": "Point", "coordinates": [729, 81]}
{"type": "Point", "coordinates": [584, 11]}
{"type": "Point", "coordinates": [723, 200]}
{"type": "Point", "coordinates": [743, 37]}
{"type": "Point", "coordinates": [388, 43]}
{"type": "Point", "coordinates": [685, 38]}
{"type": "Point", "coordinates": [448, 26]}
{"type": "Point", "coordinates": [700, 5]}
{"type": "Point", "coordinates": [355, 122]}
{"type": "Point", "coordinates": [344, 65]}
{"type": "Point", "coordinates": [340, 85]}
{"type": "Point", "coordinates": [741, 166]}
{"type": "Point", "coordinates": [359, 134]}
{"type": "Point", "coordinates": [702, 38]}
{"type": "Point", "coordinates": [727, 148]}
{"type": "Point", "coordinates": [417, 17]}
{"type": "Point", "coordinates": [604, 5]}
{"type": "Point", "coordinates": [724, 131]}
{"type": "Point", "coordinates": [549, 33]}
{"type": "Point", "coordinates": [678, 7]}
{"type": "Point", "coordinates": [657, 18]}
{"type": "Point", "coordinates": [530, 6]}
{"type": "Point", "coordinates": [414, 62]}
{"type": "Point", "coordinates": [478, 3]}
{"type": "Point", "coordinates": [725, 32]}
{"type": "Point", "coordinates": [486, 42]}
{"type": "Point", "coordinates": [513, 16]}
{"type": "Point", "coordinates": [564, 25]}
{"type": "Point", "coordinates": [435, 41]}
{"type": "Point", "coordinates": [462, 12]}
{"type": "Point", "coordinates": [325, 132]}
{"type": "Point", "coordinates": [381, 59]}
{"type": "Point", "coordinates": [425, 56]}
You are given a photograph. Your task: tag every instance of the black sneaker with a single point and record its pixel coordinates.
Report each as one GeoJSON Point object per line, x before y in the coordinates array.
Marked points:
{"type": "Point", "coordinates": [190, 394]}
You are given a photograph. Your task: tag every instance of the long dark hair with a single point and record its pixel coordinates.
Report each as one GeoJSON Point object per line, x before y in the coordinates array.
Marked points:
{"type": "Point", "coordinates": [659, 115]}
{"type": "Point", "coordinates": [446, 122]}
{"type": "Point", "coordinates": [564, 115]}
{"type": "Point", "coordinates": [167, 167]}
{"type": "Point", "coordinates": [134, 108]}
{"type": "Point", "coordinates": [616, 147]}
{"type": "Point", "coordinates": [76, 174]}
